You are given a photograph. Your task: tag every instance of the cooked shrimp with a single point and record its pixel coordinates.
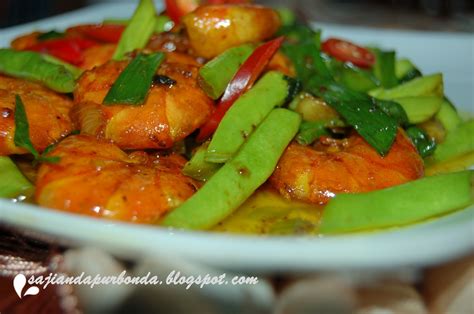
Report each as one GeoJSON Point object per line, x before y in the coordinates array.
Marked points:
{"type": "Point", "coordinates": [282, 64]}
{"type": "Point", "coordinates": [169, 114]}
{"type": "Point", "coordinates": [47, 113]}
{"type": "Point", "coordinates": [25, 41]}
{"type": "Point", "coordinates": [214, 28]}
{"type": "Point", "coordinates": [97, 55]}
{"type": "Point", "coordinates": [96, 178]}
{"type": "Point", "coordinates": [315, 174]}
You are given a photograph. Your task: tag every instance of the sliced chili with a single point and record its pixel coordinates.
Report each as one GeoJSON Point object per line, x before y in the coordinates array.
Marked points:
{"type": "Point", "coordinates": [346, 51]}
{"type": "Point", "coordinates": [67, 49]}
{"type": "Point", "coordinates": [247, 74]}
{"type": "Point", "coordinates": [176, 9]}
{"type": "Point", "coordinates": [109, 33]}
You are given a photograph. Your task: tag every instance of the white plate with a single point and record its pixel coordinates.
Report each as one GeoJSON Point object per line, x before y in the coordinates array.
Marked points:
{"type": "Point", "coordinates": [418, 245]}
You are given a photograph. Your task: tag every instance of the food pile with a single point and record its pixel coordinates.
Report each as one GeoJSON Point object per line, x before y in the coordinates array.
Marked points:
{"type": "Point", "coordinates": [211, 111]}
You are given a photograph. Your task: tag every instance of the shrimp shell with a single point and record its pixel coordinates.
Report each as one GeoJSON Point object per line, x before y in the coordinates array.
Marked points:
{"type": "Point", "coordinates": [46, 110]}
{"type": "Point", "coordinates": [316, 174]}
{"type": "Point", "coordinates": [96, 178]}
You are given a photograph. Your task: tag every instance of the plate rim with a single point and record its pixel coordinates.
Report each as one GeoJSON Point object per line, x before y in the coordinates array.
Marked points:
{"type": "Point", "coordinates": [460, 240]}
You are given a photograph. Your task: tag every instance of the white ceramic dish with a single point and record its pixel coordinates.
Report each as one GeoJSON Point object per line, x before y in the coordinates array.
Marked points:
{"type": "Point", "coordinates": [418, 245]}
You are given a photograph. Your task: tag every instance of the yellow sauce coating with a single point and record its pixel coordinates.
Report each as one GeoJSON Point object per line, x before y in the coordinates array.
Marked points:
{"type": "Point", "coordinates": [266, 212]}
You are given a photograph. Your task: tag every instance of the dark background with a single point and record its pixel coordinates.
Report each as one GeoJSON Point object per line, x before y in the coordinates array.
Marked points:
{"type": "Point", "coordinates": [440, 15]}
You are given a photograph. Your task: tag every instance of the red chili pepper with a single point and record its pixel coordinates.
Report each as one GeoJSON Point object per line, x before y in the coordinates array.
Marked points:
{"type": "Point", "coordinates": [67, 49]}
{"type": "Point", "coordinates": [247, 74]}
{"type": "Point", "coordinates": [109, 33]}
{"type": "Point", "coordinates": [227, 1]}
{"type": "Point", "coordinates": [346, 51]}
{"type": "Point", "coordinates": [176, 9]}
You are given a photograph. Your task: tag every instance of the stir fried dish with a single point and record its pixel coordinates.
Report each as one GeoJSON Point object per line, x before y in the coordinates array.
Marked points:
{"type": "Point", "coordinates": [227, 116]}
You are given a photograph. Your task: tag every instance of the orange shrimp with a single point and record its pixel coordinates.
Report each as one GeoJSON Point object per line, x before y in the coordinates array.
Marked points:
{"type": "Point", "coordinates": [169, 114]}
{"type": "Point", "coordinates": [47, 113]}
{"type": "Point", "coordinates": [214, 28]}
{"type": "Point", "coordinates": [315, 174]}
{"type": "Point", "coordinates": [26, 41]}
{"type": "Point", "coordinates": [97, 55]}
{"type": "Point", "coordinates": [96, 178]}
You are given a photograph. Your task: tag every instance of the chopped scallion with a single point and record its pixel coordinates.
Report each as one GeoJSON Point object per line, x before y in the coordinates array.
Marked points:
{"type": "Point", "coordinates": [138, 31]}
{"type": "Point", "coordinates": [131, 87]}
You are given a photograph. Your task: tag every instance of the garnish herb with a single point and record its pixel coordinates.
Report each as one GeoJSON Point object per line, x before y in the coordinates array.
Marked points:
{"type": "Point", "coordinates": [384, 67]}
{"type": "Point", "coordinates": [423, 143]}
{"type": "Point", "coordinates": [22, 134]}
{"type": "Point", "coordinates": [362, 112]}
{"type": "Point", "coordinates": [359, 110]}
{"type": "Point", "coordinates": [133, 84]}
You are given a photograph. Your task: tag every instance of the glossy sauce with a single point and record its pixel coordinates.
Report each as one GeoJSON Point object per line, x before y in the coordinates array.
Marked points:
{"type": "Point", "coordinates": [266, 212]}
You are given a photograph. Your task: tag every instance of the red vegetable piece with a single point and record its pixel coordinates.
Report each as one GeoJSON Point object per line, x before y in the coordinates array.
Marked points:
{"type": "Point", "coordinates": [66, 49]}
{"type": "Point", "coordinates": [227, 1]}
{"type": "Point", "coordinates": [247, 74]}
{"type": "Point", "coordinates": [109, 33]}
{"type": "Point", "coordinates": [346, 51]}
{"type": "Point", "coordinates": [176, 9]}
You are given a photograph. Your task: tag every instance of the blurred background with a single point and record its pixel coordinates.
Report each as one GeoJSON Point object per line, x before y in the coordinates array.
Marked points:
{"type": "Point", "coordinates": [439, 15]}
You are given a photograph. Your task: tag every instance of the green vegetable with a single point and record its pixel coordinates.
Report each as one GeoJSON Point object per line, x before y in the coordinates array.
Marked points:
{"type": "Point", "coordinates": [240, 177]}
{"type": "Point", "coordinates": [430, 85]}
{"type": "Point", "coordinates": [12, 181]}
{"type": "Point", "coordinates": [384, 68]}
{"type": "Point", "coordinates": [287, 17]}
{"type": "Point", "coordinates": [362, 112]}
{"type": "Point", "coordinates": [393, 109]}
{"type": "Point", "coordinates": [448, 116]}
{"type": "Point", "coordinates": [400, 205]}
{"type": "Point", "coordinates": [458, 142]}
{"type": "Point", "coordinates": [162, 24]}
{"type": "Point", "coordinates": [215, 75]}
{"type": "Point", "coordinates": [132, 86]}
{"type": "Point", "coordinates": [22, 133]}
{"type": "Point", "coordinates": [246, 114]}
{"type": "Point", "coordinates": [35, 67]}
{"type": "Point", "coordinates": [356, 79]}
{"type": "Point", "coordinates": [351, 76]}
{"type": "Point", "coordinates": [310, 131]}
{"type": "Point", "coordinates": [303, 49]}
{"type": "Point", "coordinates": [198, 168]}
{"type": "Point", "coordinates": [420, 108]}
{"type": "Point", "coordinates": [75, 71]}
{"type": "Point", "coordinates": [423, 143]}
{"type": "Point", "coordinates": [138, 31]}
{"type": "Point", "coordinates": [406, 71]}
